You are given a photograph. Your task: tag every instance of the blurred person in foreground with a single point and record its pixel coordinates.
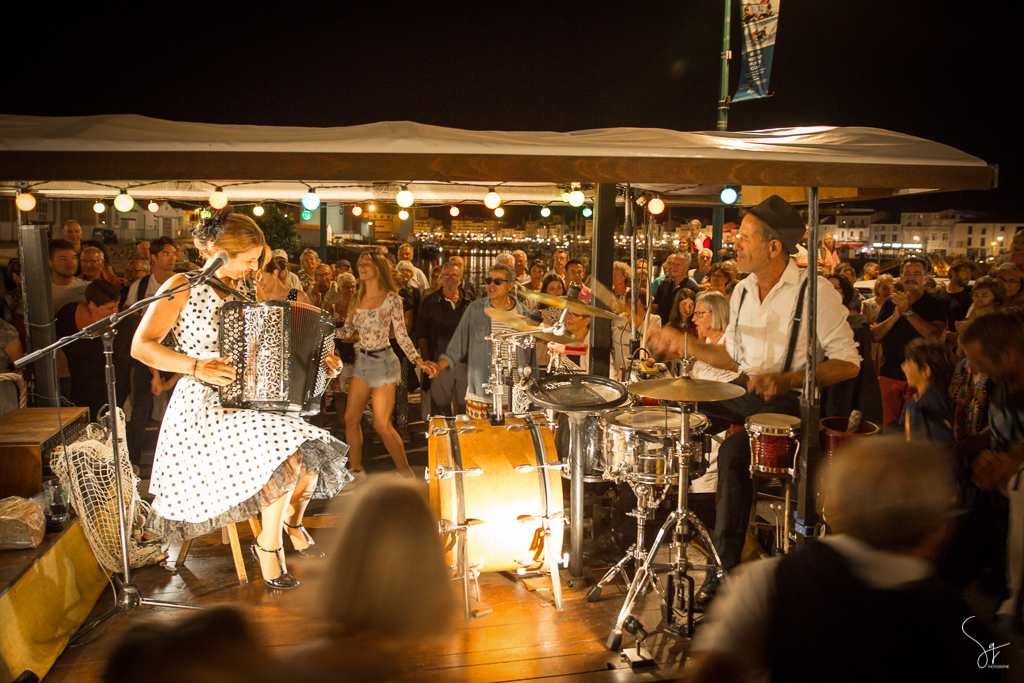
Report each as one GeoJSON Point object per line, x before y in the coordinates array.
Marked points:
{"type": "Point", "coordinates": [826, 611]}
{"type": "Point", "coordinates": [384, 588]}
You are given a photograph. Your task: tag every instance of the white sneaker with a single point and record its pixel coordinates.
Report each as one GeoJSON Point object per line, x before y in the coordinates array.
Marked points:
{"type": "Point", "coordinates": [358, 478]}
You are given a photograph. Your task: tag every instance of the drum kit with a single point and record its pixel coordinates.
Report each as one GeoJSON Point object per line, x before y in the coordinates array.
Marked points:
{"type": "Point", "coordinates": [493, 481]}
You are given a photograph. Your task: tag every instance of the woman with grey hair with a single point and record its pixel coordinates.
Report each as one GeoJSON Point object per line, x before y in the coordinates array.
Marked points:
{"type": "Point", "coordinates": [621, 274]}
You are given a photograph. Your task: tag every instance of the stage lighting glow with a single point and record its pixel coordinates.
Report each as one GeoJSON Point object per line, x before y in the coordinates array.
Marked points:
{"type": "Point", "coordinates": [357, 210]}
{"type": "Point", "coordinates": [729, 195]}
{"type": "Point", "coordinates": [404, 198]}
{"type": "Point", "coordinates": [26, 201]}
{"type": "Point", "coordinates": [576, 198]}
{"type": "Point", "coordinates": [99, 207]}
{"type": "Point", "coordinates": [310, 201]}
{"type": "Point", "coordinates": [587, 212]}
{"type": "Point", "coordinates": [656, 206]}
{"type": "Point", "coordinates": [545, 212]}
{"type": "Point", "coordinates": [218, 199]}
{"type": "Point", "coordinates": [499, 212]}
{"type": "Point", "coordinates": [123, 202]}
{"type": "Point", "coordinates": [403, 215]}
{"type": "Point", "coordinates": [257, 210]}
{"type": "Point", "coordinates": [454, 211]}
{"type": "Point", "coordinates": [152, 207]}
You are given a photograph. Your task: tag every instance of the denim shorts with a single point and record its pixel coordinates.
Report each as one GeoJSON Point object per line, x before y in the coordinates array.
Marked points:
{"type": "Point", "coordinates": [377, 368]}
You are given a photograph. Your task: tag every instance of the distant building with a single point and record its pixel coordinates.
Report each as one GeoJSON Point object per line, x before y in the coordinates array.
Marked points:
{"type": "Point", "coordinates": [980, 240]}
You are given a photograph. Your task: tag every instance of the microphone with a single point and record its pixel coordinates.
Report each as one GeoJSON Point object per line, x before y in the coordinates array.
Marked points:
{"type": "Point", "coordinates": [219, 260]}
{"type": "Point", "coordinates": [574, 293]}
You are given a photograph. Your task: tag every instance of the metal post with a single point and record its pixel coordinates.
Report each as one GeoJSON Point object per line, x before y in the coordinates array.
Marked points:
{"type": "Point", "coordinates": [810, 410]}
{"type": "Point", "coordinates": [602, 256]}
{"type": "Point", "coordinates": [323, 232]}
{"type": "Point", "coordinates": [718, 215]}
{"type": "Point", "coordinates": [629, 231]}
{"type": "Point", "coordinates": [33, 246]}
{"type": "Point", "coordinates": [577, 430]}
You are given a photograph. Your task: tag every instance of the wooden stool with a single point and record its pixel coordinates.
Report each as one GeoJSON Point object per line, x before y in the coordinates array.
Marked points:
{"type": "Point", "coordinates": [229, 535]}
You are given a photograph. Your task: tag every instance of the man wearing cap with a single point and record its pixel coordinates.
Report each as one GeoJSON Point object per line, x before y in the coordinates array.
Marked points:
{"type": "Point", "coordinates": [341, 267]}
{"type": "Point", "coordinates": [291, 280]}
{"type": "Point", "coordinates": [758, 340]}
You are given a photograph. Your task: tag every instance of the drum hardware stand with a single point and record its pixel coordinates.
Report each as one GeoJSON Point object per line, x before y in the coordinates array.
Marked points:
{"type": "Point", "coordinates": [646, 504]}
{"type": "Point", "coordinates": [129, 596]}
{"type": "Point", "coordinates": [636, 659]}
{"type": "Point", "coordinates": [682, 521]}
{"type": "Point", "coordinates": [496, 384]}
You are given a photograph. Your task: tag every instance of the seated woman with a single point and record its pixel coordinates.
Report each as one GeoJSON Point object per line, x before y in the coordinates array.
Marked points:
{"type": "Point", "coordinates": [681, 317]}
{"type": "Point", "coordinates": [721, 279]}
{"type": "Point", "coordinates": [385, 587]}
{"type": "Point", "coordinates": [928, 414]}
{"type": "Point", "coordinates": [554, 286]}
{"type": "Point", "coordinates": [216, 465]}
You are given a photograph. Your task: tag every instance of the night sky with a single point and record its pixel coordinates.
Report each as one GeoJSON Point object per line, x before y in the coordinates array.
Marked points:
{"type": "Point", "coordinates": [940, 70]}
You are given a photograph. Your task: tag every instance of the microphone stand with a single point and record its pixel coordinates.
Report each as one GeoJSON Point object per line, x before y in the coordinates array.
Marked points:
{"type": "Point", "coordinates": [129, 597]}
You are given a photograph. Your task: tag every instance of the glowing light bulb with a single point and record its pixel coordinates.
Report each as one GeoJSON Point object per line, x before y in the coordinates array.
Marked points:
{"type": "Point", "coordinates": [257, 210]}
{"type": "Point", "coordinates": [404, 198]}
{"type": "Point", "coordinates": [372, 207]}
{"type": "Point", "coordinates": [499, 212]}
{"type": "Point", "coordinates": [25, 201]}
{"type": "Point", "coordinates": [729, 196]}
{"type": "Point", "coordinates": [656, 206]}
{"type": "Point", "coordinates": [492, 200]}
{"type": "Point", "coordinates": [576, 198]}
{"type": "Point", "coordinates": [545, 212]}
{"type": "Point", "coordinates": [123, 202]}
{"type": "Point", "coordinates": [152, 207]}
{"type": "Point", "coordinates": [218, 199]}
{"type": "Point", "coordinates": [565, 196]}
{"type": "Point", "coordinates": [99, 207]}
{"type": "Point", "coordinates": [403, 215]}
{"type": "Point", "coordinates": [310, 201]}
{"type": "Point", "coordinates": [587, 212]}
{"type": "Point", "coordinates": [357, 210]}
{"type": "Point", "coordinates": [454, 211]}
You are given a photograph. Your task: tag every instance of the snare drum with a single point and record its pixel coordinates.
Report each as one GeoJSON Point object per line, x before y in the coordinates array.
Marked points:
{"type": "Point", "coordinates": [629, 457]}
{"type": "Point", "coordinates": [774, 442]}
{"type": "Point", "coordinates": [501, 495]}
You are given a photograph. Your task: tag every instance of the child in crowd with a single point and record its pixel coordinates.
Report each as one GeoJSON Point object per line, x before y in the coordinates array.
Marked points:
{"type": "Point", "coordinates": [928, 414]}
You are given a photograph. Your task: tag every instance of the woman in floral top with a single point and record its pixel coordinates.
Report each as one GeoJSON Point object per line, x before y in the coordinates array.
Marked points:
{"type": "Point", "coordinates": [374, 311]}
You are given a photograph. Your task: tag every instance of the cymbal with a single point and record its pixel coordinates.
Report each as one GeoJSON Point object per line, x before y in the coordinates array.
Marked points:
{"type": "Point", "coordinates": [573, 305]}
{"type": "Point", "coordinates": [512, 319]}
{"type": "Point", "coordinates": [521, 324]}
{"type": "Point", "coordinates": [685, 389]}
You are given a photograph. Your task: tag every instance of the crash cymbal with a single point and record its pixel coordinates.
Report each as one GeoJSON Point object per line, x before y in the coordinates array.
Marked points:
{"type": "Point", "coordinates": [557, 338]}
{"type": "Point", "coordinates": [573, 305]}
{"type": "Point", "coordinates": [685, 389]}
{"type": "Point", "coordinates": [512, 319]}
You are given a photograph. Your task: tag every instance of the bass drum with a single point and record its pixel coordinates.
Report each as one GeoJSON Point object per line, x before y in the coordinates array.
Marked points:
{"type": "Point", "coordinates": [501, 496]}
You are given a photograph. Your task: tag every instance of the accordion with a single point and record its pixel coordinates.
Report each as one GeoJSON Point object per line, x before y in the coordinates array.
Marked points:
{"type": "Point", "coordinates": [279, 349]}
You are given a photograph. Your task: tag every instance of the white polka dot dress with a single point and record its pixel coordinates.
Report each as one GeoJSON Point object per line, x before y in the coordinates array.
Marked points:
{"type": "Point", "coordinates": [216, 465]}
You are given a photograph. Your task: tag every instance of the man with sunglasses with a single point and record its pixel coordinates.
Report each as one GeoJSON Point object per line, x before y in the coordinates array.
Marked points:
{"type": "Point", "coordinates": [469, 343]}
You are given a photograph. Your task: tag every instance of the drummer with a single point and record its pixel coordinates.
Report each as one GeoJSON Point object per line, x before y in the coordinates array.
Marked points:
{"type": "Point", "coordinates": [757, 338]}
{"type": "Point", "coordinates": [469, 343]}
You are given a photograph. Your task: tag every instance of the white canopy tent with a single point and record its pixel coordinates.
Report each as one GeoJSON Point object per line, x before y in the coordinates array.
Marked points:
{"type": "Point", "coordinates": [94, 156]}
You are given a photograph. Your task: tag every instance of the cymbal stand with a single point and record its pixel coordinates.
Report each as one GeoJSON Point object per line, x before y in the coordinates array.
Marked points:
{"type": "Point", "coordinates": [683, 522]}
{"type": "Point", "coordinates": [646, 504]}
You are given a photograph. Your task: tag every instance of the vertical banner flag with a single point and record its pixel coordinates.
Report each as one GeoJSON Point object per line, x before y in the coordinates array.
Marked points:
{"type": "Point", "coordinates": [760, 23]}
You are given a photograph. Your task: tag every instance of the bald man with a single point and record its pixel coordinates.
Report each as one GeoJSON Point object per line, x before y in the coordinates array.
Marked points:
{"type": "Point", "coordinates": [92, 263]}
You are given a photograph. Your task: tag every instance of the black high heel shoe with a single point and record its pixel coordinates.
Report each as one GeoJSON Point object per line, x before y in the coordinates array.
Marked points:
{"type": "Point", "coordinates": [284, 580]}
{"type": "Point", "coordinates": [313, 550]}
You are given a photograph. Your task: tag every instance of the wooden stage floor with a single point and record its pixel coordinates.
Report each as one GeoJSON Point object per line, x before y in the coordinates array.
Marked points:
{"type": "Point", "coordinates": [523, 639]}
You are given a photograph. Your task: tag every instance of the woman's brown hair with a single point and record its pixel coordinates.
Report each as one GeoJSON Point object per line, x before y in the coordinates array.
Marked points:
{"type": "Point", "coordinates": [232, 233]}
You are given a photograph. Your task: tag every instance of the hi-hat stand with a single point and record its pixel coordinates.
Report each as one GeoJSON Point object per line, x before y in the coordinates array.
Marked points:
{"type": "Point", "coordinates": [128, 596]}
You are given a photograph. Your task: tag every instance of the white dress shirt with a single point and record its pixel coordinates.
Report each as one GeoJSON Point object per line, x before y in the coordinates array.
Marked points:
{"type": "Point", "coordinates": [758, 333]}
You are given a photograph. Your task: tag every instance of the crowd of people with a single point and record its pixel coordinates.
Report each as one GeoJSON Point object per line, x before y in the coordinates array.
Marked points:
{"type": "Point", "coordinates": [937, 364]}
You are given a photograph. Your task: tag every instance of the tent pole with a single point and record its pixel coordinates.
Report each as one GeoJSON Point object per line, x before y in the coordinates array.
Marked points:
{"type": "Point", "coordinates": [808, 458]}
{"type": "Point", "coordinates": [718, 214]}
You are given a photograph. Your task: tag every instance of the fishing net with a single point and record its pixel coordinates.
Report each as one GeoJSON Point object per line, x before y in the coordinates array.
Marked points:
{"type": "Point", "coordinates": [86, 470]}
